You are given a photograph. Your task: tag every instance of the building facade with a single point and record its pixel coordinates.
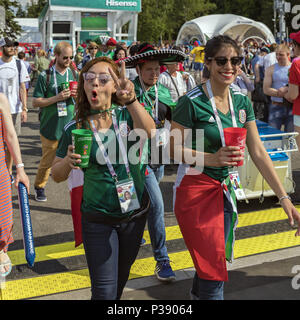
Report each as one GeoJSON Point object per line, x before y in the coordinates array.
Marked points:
{"type": "Point", "coordinates": [78, 21]}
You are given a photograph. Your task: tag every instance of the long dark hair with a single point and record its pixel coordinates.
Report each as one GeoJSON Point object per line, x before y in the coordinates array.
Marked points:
{"type": "Point", "coordinates": [82, 109]}
{"type": "Point", "coordinates": [214, 45]}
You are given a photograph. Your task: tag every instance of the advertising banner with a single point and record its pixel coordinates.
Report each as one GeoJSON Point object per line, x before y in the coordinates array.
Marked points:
{"type": "Point", "coordinates": [129, 5]}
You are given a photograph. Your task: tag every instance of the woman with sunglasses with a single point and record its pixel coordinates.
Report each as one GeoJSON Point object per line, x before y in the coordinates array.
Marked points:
{"type": "Point", "coordinates": [112, 228]}
{"type": "Point", "coordinates": [205, 204]}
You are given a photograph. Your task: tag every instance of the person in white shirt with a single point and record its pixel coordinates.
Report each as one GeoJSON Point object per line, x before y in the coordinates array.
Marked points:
{"type": "Point", "coordinates": [177, 82]}
{"type": "Point", "coordinates": [13, 76]}
{"type": "Point", "coordinates": [270, 58]}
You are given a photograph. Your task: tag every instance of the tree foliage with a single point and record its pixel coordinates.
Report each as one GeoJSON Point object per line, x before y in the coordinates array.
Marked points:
{"type": "Point", "coordinates": [34, 10]}
{"type": "Point", "coordinates": [162, 19]}
{"type": "Point", "coordinates": [12, 28]}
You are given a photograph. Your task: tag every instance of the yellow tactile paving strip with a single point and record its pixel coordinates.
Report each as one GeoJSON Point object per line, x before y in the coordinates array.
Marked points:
{"type": "Point", "coordinates": [79, 279]}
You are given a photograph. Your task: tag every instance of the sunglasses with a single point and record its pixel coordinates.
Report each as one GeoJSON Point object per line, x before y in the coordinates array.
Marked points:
{"type": "Point", "coordinates": [221, 61]}
{"type": "Point", "coordinates": [102, 78]}
{"type": "Point", "coordinates": [66, 58]}
{"type": "Point", "coordinates": [95, 48]}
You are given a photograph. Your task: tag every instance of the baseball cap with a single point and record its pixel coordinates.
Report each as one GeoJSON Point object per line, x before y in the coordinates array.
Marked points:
{"type": "Point", "coordinates": [295, 36]}
{"type": "Point", "coordinates": [8, 42]}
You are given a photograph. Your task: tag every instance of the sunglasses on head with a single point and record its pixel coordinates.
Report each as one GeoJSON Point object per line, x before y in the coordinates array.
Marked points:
{"type": "Point", "coordinates": [221, 61]}
{"type": "Point", "coordinates": [66, 58]}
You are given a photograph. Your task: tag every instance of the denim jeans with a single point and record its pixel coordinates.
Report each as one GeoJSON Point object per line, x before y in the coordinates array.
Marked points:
{"type": "Point", "coordinates": [110, 252]}
{"type": "Point", "coordinates": [156, 222]}
{"type": "Point", "coordinates": [209, 289]}
{"type": "Point", "coordinates": [280, 115]}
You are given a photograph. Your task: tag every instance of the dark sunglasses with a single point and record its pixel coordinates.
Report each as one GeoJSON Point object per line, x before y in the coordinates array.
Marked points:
{"type": "Point", "coordinates": [95, 48]}
{"type": "Point", "coordinates": [66, 58]}
{"type": "Point", "coordinates": [221, 61]}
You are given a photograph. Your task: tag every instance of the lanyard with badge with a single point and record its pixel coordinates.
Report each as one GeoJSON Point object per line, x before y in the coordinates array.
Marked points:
{"type": "Point", "coordinates": [61, 105]}
{"type": "Point", "coordinates": [161, 134]}
{"type": "Point", "coordinates": [233, 173]}
{"type": "Point", "coordinates": [125, 188]}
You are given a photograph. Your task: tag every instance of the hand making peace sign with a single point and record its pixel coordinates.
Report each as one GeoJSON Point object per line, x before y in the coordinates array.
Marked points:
{"type": "Point", "coordinates": [125, 88]}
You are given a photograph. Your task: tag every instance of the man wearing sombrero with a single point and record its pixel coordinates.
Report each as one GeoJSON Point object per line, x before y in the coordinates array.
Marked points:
{"type": "Point", "coordinates": [157, 100]}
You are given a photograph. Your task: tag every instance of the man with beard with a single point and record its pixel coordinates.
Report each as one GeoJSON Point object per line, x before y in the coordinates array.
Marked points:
{"type": "Point", "coordinates": [56, 105]}
{"type": "Point", "coordinates": [13, 76]}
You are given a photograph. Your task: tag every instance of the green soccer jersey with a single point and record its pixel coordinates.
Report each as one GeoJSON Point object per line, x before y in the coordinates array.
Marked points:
{"type": "Point", "coordinates": [51, 125]}
{"type": "Point", "coordinates": [109, 54]}
{"type": "Point", "coordinates": [99, 189]}
{"type": "Point", "coordinates": [195, 111]}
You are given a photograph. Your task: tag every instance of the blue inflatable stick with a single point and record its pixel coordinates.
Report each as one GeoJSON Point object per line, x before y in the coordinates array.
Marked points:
{"type": "Point", "coordinates": [26, 224]}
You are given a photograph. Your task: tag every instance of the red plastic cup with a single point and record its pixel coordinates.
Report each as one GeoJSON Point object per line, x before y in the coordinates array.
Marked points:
{"type": "Point", "coordinates": [236, 137]}
{"type": "Point", "coordinates": [73, 85]}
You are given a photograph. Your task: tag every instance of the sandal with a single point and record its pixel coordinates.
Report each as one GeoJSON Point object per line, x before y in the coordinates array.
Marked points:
{"type": "Point", "coordinates": [3, 265]}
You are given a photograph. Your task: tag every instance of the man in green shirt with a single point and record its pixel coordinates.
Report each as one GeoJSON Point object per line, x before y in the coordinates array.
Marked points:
{"type": "Point", "coordinates": [106, 45]}
{"type": "Point", "coordinates": [56, 110]}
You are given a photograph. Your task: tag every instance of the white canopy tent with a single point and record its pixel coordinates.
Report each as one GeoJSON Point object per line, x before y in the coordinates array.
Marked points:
{"type": "Point", "coordinates": [206, 27]}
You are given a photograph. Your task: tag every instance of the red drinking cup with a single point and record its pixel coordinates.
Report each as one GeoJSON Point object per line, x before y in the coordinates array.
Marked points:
{"type": "Point", "coordinates": [73, 85]}
{"type": "Point", "coordinates": [236, 137]}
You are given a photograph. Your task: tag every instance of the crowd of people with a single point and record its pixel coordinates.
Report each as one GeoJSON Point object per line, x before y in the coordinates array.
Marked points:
{"type": "Point", "coordinates": [147, 92]}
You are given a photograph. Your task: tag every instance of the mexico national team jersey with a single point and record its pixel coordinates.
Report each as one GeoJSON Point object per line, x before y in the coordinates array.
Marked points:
{"type": "Point", "coordinates": [99, 189]}
{"type": "Point", "coordinates": [51, 125]}
{"type": "Point", "coordinates": [198, 198]}
{"type": "Point", "coordinates": [109, 54]}
{"type": "Point", "coordinates": [195, 111]}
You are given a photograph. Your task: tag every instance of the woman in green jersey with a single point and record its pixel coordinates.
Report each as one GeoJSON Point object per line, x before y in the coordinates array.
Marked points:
{"type": "Point", "coordinates": [205, 204]}
{"type": "Point", "coordinates": [112, 224]}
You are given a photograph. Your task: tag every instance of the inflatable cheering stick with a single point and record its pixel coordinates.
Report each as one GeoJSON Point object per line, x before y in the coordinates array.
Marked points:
{"type": "Point", "coordinates": [26, 224]}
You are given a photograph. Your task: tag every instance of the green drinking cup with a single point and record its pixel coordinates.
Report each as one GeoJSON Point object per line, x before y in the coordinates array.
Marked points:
{"type": "Point", "coordinates": [82, 140]}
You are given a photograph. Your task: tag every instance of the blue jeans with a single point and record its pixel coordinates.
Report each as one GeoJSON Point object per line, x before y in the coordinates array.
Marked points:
{"type": "Point", "coordinates": [110, 252]}
{"type": "Point", "coordinates": [156, 222]}
{"type": "Point", "coordinates": [209, 289]}
{"type": "Point", "coordinates": [281, 115]}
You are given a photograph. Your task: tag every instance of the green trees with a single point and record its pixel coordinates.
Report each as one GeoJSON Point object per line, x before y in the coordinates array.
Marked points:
{"type": "Point", "coordinates": [12, 28]}
{"type": "Point", "coordinates": [162, 19]}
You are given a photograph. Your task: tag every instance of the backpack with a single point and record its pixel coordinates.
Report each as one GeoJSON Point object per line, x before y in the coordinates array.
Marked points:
{"type": "Point", "coordinates": [18, 62]}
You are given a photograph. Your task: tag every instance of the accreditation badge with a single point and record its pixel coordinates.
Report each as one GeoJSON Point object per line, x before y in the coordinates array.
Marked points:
{"type": "Point", "coordinates": [127, 195]}
{"type": "Point", "coordinates": [161, 137]}
{"type": "Point", "coordinates": [62, 109]}
{"type": "Point", "coordinates": [237, 186]}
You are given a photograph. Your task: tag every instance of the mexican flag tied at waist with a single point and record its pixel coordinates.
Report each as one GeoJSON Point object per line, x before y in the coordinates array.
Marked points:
{"type": "Point", "coordinates": [199, 209]}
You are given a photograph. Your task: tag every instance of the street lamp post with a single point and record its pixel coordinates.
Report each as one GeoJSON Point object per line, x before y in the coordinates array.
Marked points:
{"type": "Point", "coordinates": [281, 7]}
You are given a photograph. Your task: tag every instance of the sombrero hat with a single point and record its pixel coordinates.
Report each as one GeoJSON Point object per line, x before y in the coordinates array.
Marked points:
{"type": "Point", "coordinates": [146, 52]}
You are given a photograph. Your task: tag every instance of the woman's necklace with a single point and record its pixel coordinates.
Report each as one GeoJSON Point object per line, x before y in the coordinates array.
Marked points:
{"type": "Point", "coordinates": [103, 113]}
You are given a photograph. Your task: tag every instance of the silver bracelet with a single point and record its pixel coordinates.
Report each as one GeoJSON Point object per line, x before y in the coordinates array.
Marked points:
{"type": "Point", "coordinates": [284, 197]}
{"type": "Point", "coordinates": [19, 165]}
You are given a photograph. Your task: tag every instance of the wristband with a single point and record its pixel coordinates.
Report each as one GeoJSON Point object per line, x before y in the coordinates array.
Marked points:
{"type": "Point", "coordinates": [284, 197]}
{"type": "Point", "coordinates": [131, 101]}
{"type": "Point", "coordinates": [19, 165]}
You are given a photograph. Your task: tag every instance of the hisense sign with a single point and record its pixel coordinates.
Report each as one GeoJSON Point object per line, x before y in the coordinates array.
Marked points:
{"type": "Point", "coordinates": [129, 5]}
{"type": "Point", "coordinates": [114, 3]}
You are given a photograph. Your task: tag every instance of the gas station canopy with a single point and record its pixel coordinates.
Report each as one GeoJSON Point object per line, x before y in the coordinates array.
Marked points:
{"type": "Point", "coordinates": [206, 27]}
